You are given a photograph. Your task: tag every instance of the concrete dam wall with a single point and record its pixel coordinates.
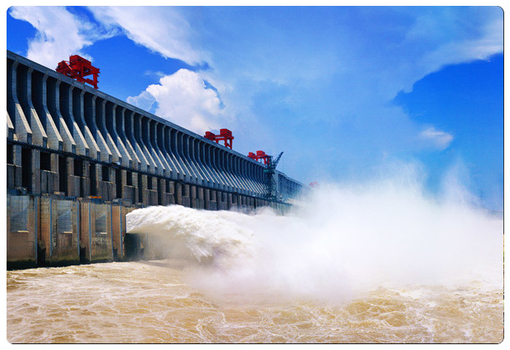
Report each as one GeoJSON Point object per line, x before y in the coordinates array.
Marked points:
{"type": "Point", "coordinates": [78, 160]}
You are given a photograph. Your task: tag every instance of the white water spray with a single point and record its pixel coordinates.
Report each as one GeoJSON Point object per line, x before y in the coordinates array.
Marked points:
{"type": "Point", "coordinates": [340, 242]}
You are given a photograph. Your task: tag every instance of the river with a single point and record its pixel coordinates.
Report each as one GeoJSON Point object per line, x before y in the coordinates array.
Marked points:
{"type": "Point", "coordinates": [383, 264]}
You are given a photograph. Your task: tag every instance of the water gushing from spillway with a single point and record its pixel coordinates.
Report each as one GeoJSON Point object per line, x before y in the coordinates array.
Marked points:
{"type": "Point", "coordinates": [340, 242]}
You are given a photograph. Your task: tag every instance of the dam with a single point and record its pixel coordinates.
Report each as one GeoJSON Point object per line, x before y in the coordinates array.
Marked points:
{"type": "Point", "coordinates": [79, 160]}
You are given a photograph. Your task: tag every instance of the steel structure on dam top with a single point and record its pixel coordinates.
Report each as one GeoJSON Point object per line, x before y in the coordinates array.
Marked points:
{"type": "Point", "coordinates": [65, 137]}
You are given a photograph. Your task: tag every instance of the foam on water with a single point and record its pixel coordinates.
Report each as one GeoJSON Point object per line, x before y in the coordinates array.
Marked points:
{"type": "Point", "coordinates": [340, 241]}
{"type": "Point", "coordinates": [147, 301]}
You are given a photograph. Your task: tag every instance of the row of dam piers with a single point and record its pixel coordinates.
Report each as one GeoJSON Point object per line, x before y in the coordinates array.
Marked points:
{"type": "Point", "coordinates": [54, 230]}
{"type": "Point", "coordinates": [79, 160]}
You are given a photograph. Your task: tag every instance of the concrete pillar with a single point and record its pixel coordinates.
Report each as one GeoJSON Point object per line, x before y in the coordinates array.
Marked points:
{"type": "Point", "coordinates": [14, 170]}
{"type": "Point", "coordinates": [67, 111]}
{"type": "Point", "coordinates": [35, 171]}
{"type": "Point", "coordinates": [106, 189]}
{"type": "Point", "coordinates": [171, 146]}
{"type": "Point", "coordinates": [152, 192]}
{"type": "Point", "coordinates": [229, 200]}
{"type": "Point", "coordinates": [39, 136]}
{"type": "Point", "coordinates": [178, 140]}
{"type": "Point", "coordinates": [49, 175]}
{"type": "Point", "coordinates": [170, 192]}
{"type": "Point", "coordinates": [213, 199]}
{"type": "Point", "coordinates": [118, 230]}
{"type": "Point", "coordinates": [207, 155]}
{"type": "Point", "coordinates": [133, 130]}
{"type": "Point", "coordinates": [186, 195]}
{"type": "Point", "coordinates": [163, 166]}
{"type": "Point", "coordinates": [73, 181]}
{"type": "Point", "coordinates": [78, 101]}
{"type": "Point", "coordinates": [59, 231]}
{"type": "Point", "coordinates": [129, 188]}
{"type": "Point", "coordinates": [128, 152]}
{"type": "Point", "coordinates": [141, 133]}
{"type": "Point", "coordinates": [40, 102]}
{"type": "Point", "coordinates": [22, 231]}
{"type": "Point", "coordinates": [176, 169]}
{"type": "Point", "coordinates": [138, 182]}
{"type": "Point", "coordinates": [200, 198]}
{"type": "Point", "coordinates": [178, 193]}
{"type": "Point", "coordinates": [53, 100]}
{"type": "Point", "coordinates": [92, 112]}
{"type": "Point", "coordinates": [193, 196]}
{"type": "Point", "coordinates": [221, 200]}
{"type": "Point", "coordinates": [142, 184]}
{"type": "Point", "coordinates": [96, 239]}
{"type": "Point", "coordinates": [105, 119]}
{"type": "Point", "coordinates": [14, 109]}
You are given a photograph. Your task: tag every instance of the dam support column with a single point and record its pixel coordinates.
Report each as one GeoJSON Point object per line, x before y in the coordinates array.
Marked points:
{"type": "Point", "coordinates": [96, 240]}
{"type": "Point", "coordinates": [14, 168]}
{"type": "Point", "coordinates": [229, 201]}
{"type": "Point", "coordinates": [186, 201]}
{"type": "Point", "coordinates": [58, 238]}
{"type": "Point", "coordinates": [34, 170]}
{"type": "Point", "coordinates": [178, 193]}
{"type": "Point", "coordinates": [235, 201]}
{"type": "Point", "coordinates": [217, 195]}
{"type": "Point", "coordinates": [142, 189]}
{"type": "Point", "coordinates": [88, 177]}
{"type": "Point", "coordinates": [118, 220]}
{"type": "Point", "coordinates": [48, 164]}
{"type": "Point", "coordinates": [200, 199]}
{"type": "Point", "coordinates": [73, 181]}
{"type": "Point", "coordinates": [214, 200]}
{"type": "Point", "coordinates": [22, 231]}
{"type": "Point", "coordinates": [222, 200]}
{"type": "Point", "coordinates": [210, 199]}
{"type": "Point", "coordinates": [128, 187]}
{"type": "Point", "coordinates": [169, 193]}
{"type": "Point", "coordinates": [152, 194]}
{"type": "Point", "coordinates": [193, 196]}
{"type": "Point", "coordinates": [244, 201]}
{"type": "Point", "coordinates": [197, 197]}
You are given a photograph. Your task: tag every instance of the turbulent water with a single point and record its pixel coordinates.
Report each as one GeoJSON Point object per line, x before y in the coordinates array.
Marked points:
{"type": "Point", "coordinates": [382, 263]}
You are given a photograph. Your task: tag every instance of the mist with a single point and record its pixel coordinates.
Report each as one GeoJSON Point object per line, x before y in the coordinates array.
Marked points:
{"type": "Point", "coordinates": [338, 242]}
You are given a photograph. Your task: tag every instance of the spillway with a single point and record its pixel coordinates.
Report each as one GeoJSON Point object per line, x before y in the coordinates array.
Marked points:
{"type": "Point", "coordinates": [79, 160]}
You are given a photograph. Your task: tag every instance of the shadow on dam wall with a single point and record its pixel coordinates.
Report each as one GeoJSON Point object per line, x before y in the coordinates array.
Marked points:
{"type": "Point", "coordinates": [44, 231]}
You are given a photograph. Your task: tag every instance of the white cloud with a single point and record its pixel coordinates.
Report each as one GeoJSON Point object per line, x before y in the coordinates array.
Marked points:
{"type": "Point", "coordinates": [144, 101]}
{"type": "Point", "coordinates": [480, 47]}
{"type": "Point", "coordinates": [160, 29]}
{"type": "Point", "coordinates": [184, 99]}
{"type": "Point", "coordinates": [436, 138]}
{"type": "Point", "coordinates": [60, 33]}
{"type": "Point", "coordinates": [445, 36]}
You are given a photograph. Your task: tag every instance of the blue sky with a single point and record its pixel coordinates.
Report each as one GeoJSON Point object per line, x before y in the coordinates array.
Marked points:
{"type": "Point", "coordinates": [345, 92]}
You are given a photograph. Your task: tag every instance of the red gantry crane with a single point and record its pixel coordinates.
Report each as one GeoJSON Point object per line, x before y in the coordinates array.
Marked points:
{"type": "Point", "coordinates": [78, 68]}
{"type": "Point", "coordinates": [260, 155]}
{"type": "Point", "coordinates": [225, 135]}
